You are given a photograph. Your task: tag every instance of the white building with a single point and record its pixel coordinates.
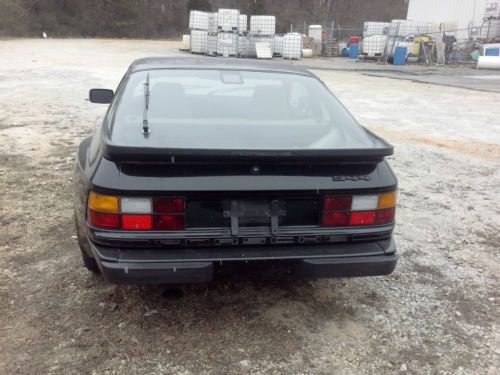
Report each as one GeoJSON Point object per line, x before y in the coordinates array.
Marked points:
{"type": "Point", "coordinates": [463, 15]}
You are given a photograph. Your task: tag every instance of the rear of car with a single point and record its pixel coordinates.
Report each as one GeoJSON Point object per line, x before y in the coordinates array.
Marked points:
{"type": "Point", "coordinates": [201, 166]}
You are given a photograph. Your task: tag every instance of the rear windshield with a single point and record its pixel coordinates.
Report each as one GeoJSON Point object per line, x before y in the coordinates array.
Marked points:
{"type": "Point", "coordinates": [239, 110]}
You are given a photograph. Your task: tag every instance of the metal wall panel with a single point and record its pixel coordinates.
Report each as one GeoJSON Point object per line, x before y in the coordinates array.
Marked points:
{"type": "Point", "coordinates": [462, 12]}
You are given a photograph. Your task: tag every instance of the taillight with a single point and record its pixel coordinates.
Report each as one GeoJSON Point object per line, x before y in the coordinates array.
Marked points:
{"type": "Point", "coordinates": [169, 213]}
{"type": "Point", "coordinates": [137, 222]}
{"type": "Point", "coordinates": [169, 222]}
{"type": "Point", "coordinates": [164, 205]}
{"type": "Point", "coordinates": [102, 211]}
{"type": "Point", "coordinates": [358, 210]}
{"type": "Point", "coordinates": [103, 220]}
{"type": "Point", "coordinates": [135, 213]}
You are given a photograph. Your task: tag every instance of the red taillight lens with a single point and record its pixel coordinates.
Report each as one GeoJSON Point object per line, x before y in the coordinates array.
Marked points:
{"type": "Point", "coordinates": [168, 205]}
{"type": "Point", "coordinates": [335, 219]}
{"type": "Point", "coordinates": [137, 222]}
{"type": "Point", "coordinates": [103, 219]}
{"type": "Point", "coordinates": [169, 222]}
{"type": "Point", "coordinates": [332, 203]}
{"type": "Point", "coordinates": [135, 213]}
{"type": "Point", "coordinates": [358, 210]}
{"type": "Point", "coordinates": [362, 218]}
{"type": "Point", "coordinates": [385, 216]}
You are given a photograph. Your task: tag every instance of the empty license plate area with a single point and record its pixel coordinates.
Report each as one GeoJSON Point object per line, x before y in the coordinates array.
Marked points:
{"type": "Point", "coordinates": [252, 212]}
{"type": "Point", "coordinates": [248, 213]}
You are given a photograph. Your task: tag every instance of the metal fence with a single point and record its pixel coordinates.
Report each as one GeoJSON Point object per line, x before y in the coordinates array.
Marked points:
{"type": "Point", "coordinates": [424, 42]}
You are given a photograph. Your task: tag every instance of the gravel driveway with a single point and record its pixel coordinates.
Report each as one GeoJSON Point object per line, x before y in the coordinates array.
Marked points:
{"type": "Point", "coordinates": [437, 314]}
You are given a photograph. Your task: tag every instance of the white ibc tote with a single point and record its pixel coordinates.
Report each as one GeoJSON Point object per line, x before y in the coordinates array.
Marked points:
{"type": "Point", "coordinates": [228, 20]}
{"type": "Point", "coordinates": [405, 28]}
{"type": "Point", "coordinates": [227, 44]}
{"type": "Point", "coordinates": [198, 41]}
{"type": "Point", "coordinates": [243, 45]}
{"type": "Point", "coordinates": [212, 41]}
{"type": "Point", "coordinates": [278, 45]}
{"type": "Point", "coordinates": [262, 25]}
{"type": "Point", "coordinates": [198, 20]}
{"type": "Point", "coordinates": [375, 28]}
{"type": "Point", "coordinates": [374, 45]}
{"type": "Point", "coordinates": [292, 46]}
{"type": "Point", "coordinates": [212, 22]}
{"type": "Point", "coordinates": [243, 24]}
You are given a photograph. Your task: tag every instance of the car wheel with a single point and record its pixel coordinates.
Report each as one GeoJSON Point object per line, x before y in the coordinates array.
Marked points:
{"type": "Point", "coordinates": [90, 263]}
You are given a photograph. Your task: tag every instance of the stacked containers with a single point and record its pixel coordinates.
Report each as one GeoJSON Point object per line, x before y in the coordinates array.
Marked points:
{"type": "Point", "coordinates": [243, 40]}
{"type": "Point", "coordinates": [262, 30]}
{"type": "Point", "coordinates": [407, 28]}
{"type": "Point", "coordinates": [263, 25]}
{"type": "Point", "coordinates": [243, 24]}
{"type": "Point", "coordinates": [292, 46]}
{"type": "Point", "coordinates": [212, 34]}
{"type": "Point", "coordinates": [199, 41]}
{"type": "Point", "coordinates": [374, 45]}
{"type": "Point", "coordinates": [198, 23]}
{"type": "Point", "coordinates": [198, 20]}
{"type": "Point", "coordinates": [243, 45]}
{"type": "Point", "coordinates": [402, 31]}
{"type": "Point", "coordinates": [228, 21]}
{"type": "Point", "coordinates": [375, 28]}
{"type": "Point", "coordinates": [375, 38]}
{"type": "Point", "coordinates": [278, 45]}
{"type": "Point", "coordinates": [227, 44]}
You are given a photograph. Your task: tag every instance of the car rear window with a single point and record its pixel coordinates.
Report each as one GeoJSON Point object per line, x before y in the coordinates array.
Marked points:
{"type": "Point", "coordinates": [227, 109]}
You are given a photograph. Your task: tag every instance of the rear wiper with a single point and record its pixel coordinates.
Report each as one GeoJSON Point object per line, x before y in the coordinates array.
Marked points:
{"type": "Point", "coordinates": [145, 123]}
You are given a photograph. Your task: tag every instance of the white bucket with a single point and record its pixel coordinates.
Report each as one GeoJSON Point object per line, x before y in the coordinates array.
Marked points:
{"type": "Point", "coordinates": [307, 52]}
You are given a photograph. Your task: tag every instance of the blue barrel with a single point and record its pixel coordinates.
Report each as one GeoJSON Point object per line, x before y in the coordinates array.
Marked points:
{"type": "Point", "coordinates": [399, 56]}
{"type": "Point", "coordinates": [354, 51]}
{"type": "Point", "coordinates": [345, 52]}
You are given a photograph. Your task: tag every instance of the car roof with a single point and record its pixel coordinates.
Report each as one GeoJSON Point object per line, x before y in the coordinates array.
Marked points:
{"type": "Point", "coordinates": [151, 63]}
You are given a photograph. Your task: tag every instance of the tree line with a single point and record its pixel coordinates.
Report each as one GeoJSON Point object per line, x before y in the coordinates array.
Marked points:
{"type": "Point", "coordinates": [169, 18]}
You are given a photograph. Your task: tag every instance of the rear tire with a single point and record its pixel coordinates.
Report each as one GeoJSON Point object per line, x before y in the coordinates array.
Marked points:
{"type": "Point", "coordinates": [90, 263]}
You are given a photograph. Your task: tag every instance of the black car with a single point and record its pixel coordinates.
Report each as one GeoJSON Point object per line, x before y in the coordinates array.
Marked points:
{"type": "Point", "coordinates": [205, 162]}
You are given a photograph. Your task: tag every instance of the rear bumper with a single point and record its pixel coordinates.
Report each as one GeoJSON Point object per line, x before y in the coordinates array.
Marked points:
{"type": "Point", "coordinates": [178, 266]}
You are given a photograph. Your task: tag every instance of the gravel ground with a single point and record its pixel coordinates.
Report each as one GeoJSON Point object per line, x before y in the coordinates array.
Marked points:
{"type": "Point", "coordinates": [437, 314]}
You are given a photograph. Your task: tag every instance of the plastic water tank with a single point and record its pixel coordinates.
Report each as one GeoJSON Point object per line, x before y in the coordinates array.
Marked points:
{"type": "Point", "coordinates": [399, 56]}
{"type": "Point", "coordinates": [354, 51]}
{"type": "Point", "coordinates": [307, 52]}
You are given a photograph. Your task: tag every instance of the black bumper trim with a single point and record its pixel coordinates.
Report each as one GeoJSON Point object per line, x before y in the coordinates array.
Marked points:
{"type": "Point", "coordinates": [348, 267]}
{"type": "Point", "coordinates": [157, 273]}
{"type": "Point", "coordinates": [166, 267]}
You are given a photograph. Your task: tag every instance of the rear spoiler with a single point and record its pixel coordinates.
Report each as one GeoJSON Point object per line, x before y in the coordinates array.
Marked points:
{"type": "Point", "coordinates": [121, 153]}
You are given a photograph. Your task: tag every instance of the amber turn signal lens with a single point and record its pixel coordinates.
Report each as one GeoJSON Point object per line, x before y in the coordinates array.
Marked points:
{"type": "Point", "coordinates": [387, 200]}
{"type": "Point", "coordinates": [103, 203]}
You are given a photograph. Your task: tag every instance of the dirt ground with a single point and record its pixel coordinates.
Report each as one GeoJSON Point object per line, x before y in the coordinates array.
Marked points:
{"type": "Point", "coordinates": [437, 314]}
